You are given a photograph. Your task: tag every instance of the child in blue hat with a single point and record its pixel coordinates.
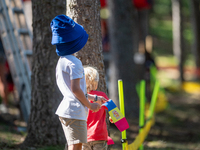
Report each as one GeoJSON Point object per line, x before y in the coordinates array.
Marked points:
{"type": "Point", "coordinates": [70, 37]}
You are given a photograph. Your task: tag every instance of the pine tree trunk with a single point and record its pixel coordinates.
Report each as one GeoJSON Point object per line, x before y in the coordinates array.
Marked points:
{"type": "Point", "coordinates": [178, 35]}
{"type": "Point", "coordinates": [142, 70]}
{"type": "Point", "coordinates": [121, 28]}
{"type": "Point", "coordinates": [87, 13]}
{"type": "Point", "coordinates": [44, 128]}
{"type": "Point", "coordinates": [196, 31]}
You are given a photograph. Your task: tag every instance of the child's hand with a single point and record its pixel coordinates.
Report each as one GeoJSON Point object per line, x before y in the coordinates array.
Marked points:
{"type": "Point", "coordinates": [111, 120]}
{"type": "Point", "coordinates": [101, 100]}
{"type": "Point", "coordinates": [94, 107]}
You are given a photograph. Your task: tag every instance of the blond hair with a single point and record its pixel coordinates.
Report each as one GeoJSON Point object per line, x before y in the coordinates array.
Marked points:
{"type": "Point", "coordinates": [91, 77]}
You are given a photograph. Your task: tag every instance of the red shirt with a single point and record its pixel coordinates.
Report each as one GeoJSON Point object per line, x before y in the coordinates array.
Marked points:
{"type": "Point", "coordinates": [96, 122]}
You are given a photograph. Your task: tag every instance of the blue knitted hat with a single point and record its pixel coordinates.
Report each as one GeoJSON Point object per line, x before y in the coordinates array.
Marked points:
{"type": "Point", "coordinates": [68, 36]}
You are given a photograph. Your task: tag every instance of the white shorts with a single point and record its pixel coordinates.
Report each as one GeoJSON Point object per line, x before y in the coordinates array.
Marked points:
{"type": "Point", "coordinates": [75, 130]}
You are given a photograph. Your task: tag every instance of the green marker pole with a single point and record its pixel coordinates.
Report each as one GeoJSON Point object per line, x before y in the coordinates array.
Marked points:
{"type": "Point", "coordinates": [153, 73]}
{"type": "Point", "coordinates": [154, 98]}
{"type": "Point", "coordinates": [122, 109]}
{"type": "Point", "coordinates": [142, 109]}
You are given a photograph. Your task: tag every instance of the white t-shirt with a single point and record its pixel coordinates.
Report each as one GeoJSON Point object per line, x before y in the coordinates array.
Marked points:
{"type": "Point", "coordinates": [69, 67]}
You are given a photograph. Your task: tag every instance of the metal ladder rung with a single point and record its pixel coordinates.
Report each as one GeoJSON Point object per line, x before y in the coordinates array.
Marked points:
{"type": "Point", "coordinates": [23, 31]}
{"type": "Point", "coordinates": [18, 10]}
{"type": "Point", "coordinates": [17, 39]}
{"type": "Point", "coordinates": [28, 52]}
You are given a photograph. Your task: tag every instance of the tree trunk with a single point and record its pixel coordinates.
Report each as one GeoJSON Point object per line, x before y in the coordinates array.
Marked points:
{"type": "Point", "coordinates": [87, 13]}
{"type": "Point", "coordinates": [121, 26]}
{"type": "Point", "coordinates": [143, 16]}
{"type": "Point", "coordinates": [143, 71]}
{"type": "Point", "coordinates": [178, 35]}
{"type": "Point", "coordinates": [195, 15]}
{"type": "Point", "coordinates": [44, 128]}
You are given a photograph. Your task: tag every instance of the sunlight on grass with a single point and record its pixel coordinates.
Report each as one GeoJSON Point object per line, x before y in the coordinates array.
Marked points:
{"type": "Point", "coordinates": [11, 138]}
{"type": "Point", "coordinates": [166, 61]}
{"type": "Point", "coordinates": [177, 146]}
{"type": "Point", "coordinates": [168, 73]}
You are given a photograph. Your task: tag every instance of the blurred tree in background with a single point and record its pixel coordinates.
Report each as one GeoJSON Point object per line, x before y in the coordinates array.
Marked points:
{"type": "Point", "coordinates": [177, 23]}
{"type": "Point", "coordinates": [161, 29]}
{"type": "Point", "coordinates": [44, 126]}
{"type": "Point", "coordinates": [195, 17]}
{"type": "Point", "coordinates": [121, 30]}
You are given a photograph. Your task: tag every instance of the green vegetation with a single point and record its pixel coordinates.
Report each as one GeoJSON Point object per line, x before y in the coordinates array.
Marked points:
{"type": "Point", "coordinates": [160, 27]}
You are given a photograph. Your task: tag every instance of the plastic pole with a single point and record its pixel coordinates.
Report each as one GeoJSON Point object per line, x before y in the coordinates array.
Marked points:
{"type": "Point", "coordinates": [142, 109]}
{"type": "Point", "coordinates": [122, 109]}
{"type": "Point", "coordinates": [154, 98]}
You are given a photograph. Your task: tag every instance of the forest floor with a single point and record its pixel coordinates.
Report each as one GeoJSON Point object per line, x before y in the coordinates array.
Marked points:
{"type": "Point", "coordinates": [175, 128]}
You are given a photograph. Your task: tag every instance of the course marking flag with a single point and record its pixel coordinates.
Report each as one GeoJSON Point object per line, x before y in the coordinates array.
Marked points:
{"type": "Point", "coordinates": [117, 117]}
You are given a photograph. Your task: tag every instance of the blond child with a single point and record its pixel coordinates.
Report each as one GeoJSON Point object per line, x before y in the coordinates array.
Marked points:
{"type": "Point", "coordinates": [97, 134]}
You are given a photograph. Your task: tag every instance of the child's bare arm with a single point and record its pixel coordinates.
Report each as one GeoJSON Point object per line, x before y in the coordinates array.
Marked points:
{"type": "Point", "coordinates": [99, 99]}
{"type": "Point", "coordinates": [75, 87]}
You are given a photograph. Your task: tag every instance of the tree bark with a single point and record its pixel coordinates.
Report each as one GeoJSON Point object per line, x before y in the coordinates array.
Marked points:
{"type": "Point", "coordinates": [195, 15]}
{"type": "Point", "coordinates": [143, 71]}
{"type": "Point", "coordinates": [87, 13]}
{"type": "Point", "coordinates": [178, 47]}
{"type": "Point", "coordinates": [121, 29]}
{"type": "Point", "coordinates": [44, 128]}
